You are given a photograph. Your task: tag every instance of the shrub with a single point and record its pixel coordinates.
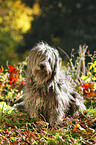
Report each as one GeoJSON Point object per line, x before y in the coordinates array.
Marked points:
{"type": "Point", "coordinates": [11, 83]}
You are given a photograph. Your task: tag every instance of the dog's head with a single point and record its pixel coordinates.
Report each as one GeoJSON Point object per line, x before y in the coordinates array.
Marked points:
{"type": "Point", "coordinates": [43, 63]}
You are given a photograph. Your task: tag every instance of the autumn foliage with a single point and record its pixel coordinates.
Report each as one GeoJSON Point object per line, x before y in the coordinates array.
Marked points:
{"type": "Point", "coordinates": [17, 128]}
{"type": "Point", "coordinates": [13, 77]}
{"type": "Point", "coordinates": [88, 90]}
{"type": "Point", "coordinates": [11, 83]}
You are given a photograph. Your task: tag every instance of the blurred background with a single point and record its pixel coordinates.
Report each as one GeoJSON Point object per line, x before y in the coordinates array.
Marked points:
{"type": "Point", "coordinates": [60, 23]}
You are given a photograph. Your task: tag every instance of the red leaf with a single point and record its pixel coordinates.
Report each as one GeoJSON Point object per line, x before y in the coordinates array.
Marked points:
{"type": "Point", "coordinates": [11, 68]}
{"type": "Point", "coordinates": [1, 69]}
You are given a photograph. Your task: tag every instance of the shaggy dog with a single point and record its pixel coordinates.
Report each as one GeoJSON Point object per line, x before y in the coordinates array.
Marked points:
{"type": "Point", "coordinates": [48, 91]}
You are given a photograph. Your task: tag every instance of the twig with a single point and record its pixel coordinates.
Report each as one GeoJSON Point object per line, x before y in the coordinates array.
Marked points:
{"type": "Point", "coordinates": [64, 52]}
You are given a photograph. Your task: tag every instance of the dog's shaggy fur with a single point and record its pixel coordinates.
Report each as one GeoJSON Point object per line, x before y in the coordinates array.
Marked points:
{"type": "Point", "coordinates": [48, 91]}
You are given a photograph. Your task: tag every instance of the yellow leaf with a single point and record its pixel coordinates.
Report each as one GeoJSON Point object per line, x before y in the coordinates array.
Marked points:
{"type": "Point", "coordinates": [36, 9]}
{"type": "Point", "coordinates": [91, 66]}
{"type": "Point", "coordinates": [93, 78]}
{"type": "Point", "coordinates": [88, 80]}
{"type": "Point", "coordinates": [94, 86]}
{"type": "Point", "coordinates": [1, 20]}
{"type": "Point", "coordinates": [88, 73]}
{"type": "Point", "coordinates": [83, 77]}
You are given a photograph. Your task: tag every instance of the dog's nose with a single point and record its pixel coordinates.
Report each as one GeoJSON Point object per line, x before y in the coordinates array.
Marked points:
{"type": "Point", "coordinates": [42, 66]}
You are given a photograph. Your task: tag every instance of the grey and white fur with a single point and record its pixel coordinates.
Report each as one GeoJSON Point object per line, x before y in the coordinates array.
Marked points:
{"type": "Point", "coordinates": [48, 91]}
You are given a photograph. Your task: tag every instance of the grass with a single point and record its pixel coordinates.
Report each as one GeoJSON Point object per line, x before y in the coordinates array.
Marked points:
{"type": "Point", "coordinates": [17, 128]}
